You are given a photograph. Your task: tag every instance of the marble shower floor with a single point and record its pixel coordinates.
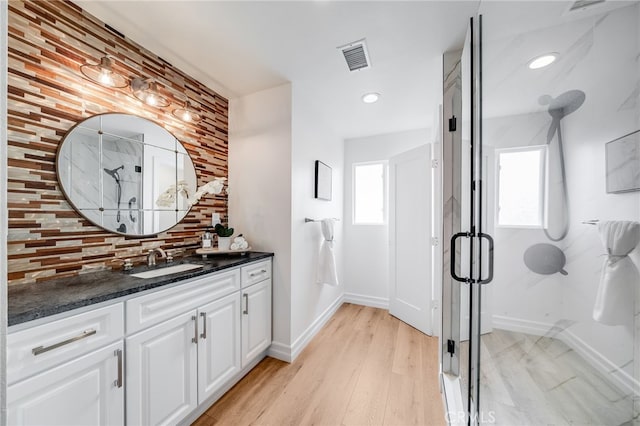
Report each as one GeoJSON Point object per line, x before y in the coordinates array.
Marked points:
{"type": "Point", "coordinates": [533, 380]}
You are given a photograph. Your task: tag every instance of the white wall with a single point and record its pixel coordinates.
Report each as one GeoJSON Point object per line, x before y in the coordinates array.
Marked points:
{"type": "Point", "coordinates": [312, 140]}
{"type": "Point", "coordinates": [274, 139]}
{"type": "Point", "coordinates": [366, 248]}
{"type": "Point", "coordinates": [260, 187]}
{"type": "Point", "coordinates": [609, 112]}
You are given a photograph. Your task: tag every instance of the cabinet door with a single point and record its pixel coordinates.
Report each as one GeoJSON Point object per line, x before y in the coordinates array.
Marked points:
{"type": "Point", "coordinates": [256, 320]}
{"type": "Point", "coordinates": [219, 345]}
{"type": "Point", "coordinates": [162, 372]}
{"type": "Point", "coordinates": [87, 390]}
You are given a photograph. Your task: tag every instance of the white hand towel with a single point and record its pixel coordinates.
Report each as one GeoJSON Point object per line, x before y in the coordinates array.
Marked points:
{"type": "Point", "coordinates": [327, 273]}
{"type": "Point", "coordinates": [620, 279]}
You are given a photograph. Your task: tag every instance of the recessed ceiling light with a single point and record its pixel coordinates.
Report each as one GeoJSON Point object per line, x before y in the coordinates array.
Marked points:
{"type": "Point", "coordinates": [542, 61]}
{"type": "Point", "coordinates": [369, 98]}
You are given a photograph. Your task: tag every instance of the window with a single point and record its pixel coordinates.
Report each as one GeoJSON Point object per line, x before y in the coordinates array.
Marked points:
{"type": "Point", "coordinates": [369, 193]}
{"type": "Point", "coordinates": [522, 185]}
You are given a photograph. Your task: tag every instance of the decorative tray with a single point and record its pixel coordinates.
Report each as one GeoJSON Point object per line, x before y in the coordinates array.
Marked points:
{"type": "Point", "coordinates": [215, 250]}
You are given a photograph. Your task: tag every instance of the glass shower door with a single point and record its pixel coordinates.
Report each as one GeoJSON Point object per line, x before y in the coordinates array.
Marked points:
{"type": "Point", "coordinates": [557, 180]}
{"type": "Point", "coordinates": [462, 234]}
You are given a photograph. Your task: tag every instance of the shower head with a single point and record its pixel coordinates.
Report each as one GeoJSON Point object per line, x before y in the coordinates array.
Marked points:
{"type": "Point", "coordinates": [114, 172]}
{"type": "Point", "coordinates": [564, 104]}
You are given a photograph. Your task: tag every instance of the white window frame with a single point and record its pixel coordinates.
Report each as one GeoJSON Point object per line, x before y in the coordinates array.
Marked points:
{"type": "Point", "coordinates": [385, 193]}
{"type": "Point", "coordinates": [543, 184]}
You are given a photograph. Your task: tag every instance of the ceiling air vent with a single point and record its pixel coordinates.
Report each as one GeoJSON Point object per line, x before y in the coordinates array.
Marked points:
{"type": "Point", "coordinates": [583, 4]}
{"type": "Point", "coordinates": [356, 55]}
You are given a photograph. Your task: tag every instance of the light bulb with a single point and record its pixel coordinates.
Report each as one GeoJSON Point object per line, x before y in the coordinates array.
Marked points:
{"type": "Point", "coordinates": [542, 61]}
{"type": "Point", "coordinates": [186, 116]}
{"type": "Point", "coordinates": [106, 78]}
{"type": "Point", "coordinates": [151, 100]}
{"type": "Point", "coordinates": [370, 98]}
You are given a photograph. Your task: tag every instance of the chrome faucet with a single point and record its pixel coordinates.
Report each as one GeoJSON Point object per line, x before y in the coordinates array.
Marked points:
{"type": "Point", "coordinates": [151, 257]}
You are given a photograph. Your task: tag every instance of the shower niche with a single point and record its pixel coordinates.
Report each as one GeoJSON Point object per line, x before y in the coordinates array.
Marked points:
{"type": "Point", "coordinates": [126, 174]}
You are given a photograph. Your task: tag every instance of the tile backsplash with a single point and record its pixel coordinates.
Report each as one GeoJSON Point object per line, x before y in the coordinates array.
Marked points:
{"type": "Point", "coordinates": [47, 95]}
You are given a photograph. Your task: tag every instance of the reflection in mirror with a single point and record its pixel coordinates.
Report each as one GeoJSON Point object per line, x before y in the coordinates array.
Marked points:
{"type": "Point", "coordinates": [126, 174]}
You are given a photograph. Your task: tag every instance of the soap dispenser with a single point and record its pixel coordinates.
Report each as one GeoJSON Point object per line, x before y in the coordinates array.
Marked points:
{"type": "Point", "coordinates": [207, 240]}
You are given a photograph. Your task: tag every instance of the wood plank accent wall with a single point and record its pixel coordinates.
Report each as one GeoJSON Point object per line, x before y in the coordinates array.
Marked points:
{"type": "Point", "coordinates": [47, 95]}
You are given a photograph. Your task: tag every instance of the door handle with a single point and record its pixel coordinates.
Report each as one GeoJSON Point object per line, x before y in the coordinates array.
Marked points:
{"type": "Point", "coordinates": [118, 381]}
{"type": "Point", "coordinates": [204, 325]}
{"type": "Point", "coordinates": [42, 349]}
{"type": "Point", "coordinates": [194, 339]}
{"type": "Point", "coordinates": [452, 249]}
{"type": "Point", "coordinates": [490, 241]}
{"type": "Point", "coordinates": [246, 304]}
{"type": "Point", "coordinates": [262, 271]}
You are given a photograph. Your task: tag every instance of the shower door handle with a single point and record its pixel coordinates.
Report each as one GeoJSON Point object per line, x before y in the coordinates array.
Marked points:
{"type": "Point", "coordinates": [452, 249]}
{"type": "Point", "coordinates": [489, 239]}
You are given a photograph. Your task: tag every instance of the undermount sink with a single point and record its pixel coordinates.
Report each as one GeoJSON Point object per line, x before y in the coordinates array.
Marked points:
{"type": "Point", "coordinates": [167, 271]}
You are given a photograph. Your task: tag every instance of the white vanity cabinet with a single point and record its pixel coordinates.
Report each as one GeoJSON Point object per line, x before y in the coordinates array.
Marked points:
{"type": "Point", "coordinates": [179, 363]}
{"type": "Point", "coordinates": [68, 371]}
{"type": "Point", "coordinates": [175, 350]}
{"type": "Point", "coordinates": [85, 391]}
{"type": "Point", "coordinates": [176, 365]}
{"type": "Point", "coordinates": [162, 372]}
{"type": "Point", "coordinates": [256, 320]}
{"type": "Point", "coordinates": [219, 358]}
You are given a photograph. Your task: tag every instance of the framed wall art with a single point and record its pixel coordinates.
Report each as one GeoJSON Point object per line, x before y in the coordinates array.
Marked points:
{"type": "Point", "coordinates": [323, 181]}
{"type": "Point", "coordinates": [623, 163]}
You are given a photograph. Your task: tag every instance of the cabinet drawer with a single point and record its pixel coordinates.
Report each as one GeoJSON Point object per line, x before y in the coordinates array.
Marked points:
{"type": "Point", "coordinates": [87, 390]}
{"type": "Point", "coordinates": [35, 349]}
{"type": "Point", "coordinates": [255, 273]}
{"type": "Point", "coordinates": [145, 311]}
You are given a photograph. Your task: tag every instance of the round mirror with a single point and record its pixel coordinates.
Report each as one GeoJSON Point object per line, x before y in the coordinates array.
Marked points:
{"type": "Point", "coordinates": [126, 174]}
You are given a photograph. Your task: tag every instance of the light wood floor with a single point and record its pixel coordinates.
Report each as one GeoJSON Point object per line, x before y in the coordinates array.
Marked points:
{"type": "Point", "coordinates": [365, 367]}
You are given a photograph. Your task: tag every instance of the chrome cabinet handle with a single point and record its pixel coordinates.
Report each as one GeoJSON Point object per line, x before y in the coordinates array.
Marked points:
{"type": "Point", "coordinates": [204, 325]}
{"type": "Point", "coordinates": [118, 381]}
{"type": "Point", "coordinates": [490, 241]}
{"type": "Point", "coordinates": [194, 339]}
{"type": "Point", "coordinates": [452, 249]}
{"type": "Point", "coordinates": [42, 349]}
{"type": "Point", "coordinates": [246, 304]}
{"type": "Point", "coordinates": [262, 271]}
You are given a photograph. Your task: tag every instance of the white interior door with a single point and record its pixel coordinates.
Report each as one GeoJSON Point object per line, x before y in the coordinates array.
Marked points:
{"type": "Point", "coordinates": [410, 233]}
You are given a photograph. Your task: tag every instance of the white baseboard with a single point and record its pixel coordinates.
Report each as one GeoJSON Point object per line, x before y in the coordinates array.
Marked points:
{"type": "Point", "coordinates": [301, 342]}
{"type": "Point", "coordinates": [517, 325]}
{"type": "Point", "coordinates": [617, 377]}
{"type": "Point", "coordinates": [364, 300]}
{"type": "Point", "coordinates": [288, 353]}
{"type": "Point", "coordinates": [280, 351]}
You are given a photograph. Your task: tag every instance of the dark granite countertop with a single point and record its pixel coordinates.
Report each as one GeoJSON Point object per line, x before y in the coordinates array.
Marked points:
{"type": "Point", "coordinates": [28, 302]}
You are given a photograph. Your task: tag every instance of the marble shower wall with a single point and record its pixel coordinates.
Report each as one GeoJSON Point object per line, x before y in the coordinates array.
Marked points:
{"type": "Point", "coordinates": [636, 340]}
{"type": "Point", "coordinates": [599, 56]}
{"type": "Point", "coordinates": [47, 95]}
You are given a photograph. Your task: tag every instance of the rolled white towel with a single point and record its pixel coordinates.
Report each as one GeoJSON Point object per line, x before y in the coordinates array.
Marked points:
{"type": "Point", "coordinates": [239, 243]}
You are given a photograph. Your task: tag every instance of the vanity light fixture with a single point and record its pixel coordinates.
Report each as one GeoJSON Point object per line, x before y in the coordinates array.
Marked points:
{"type": "Point", "coordinates": [542, 61]}
{"type": "Point", "coordinates": [147, 91]}
{"type": "Point", "coordinates": [186, 113]}
{"type": "Point", "coordinates": [369, 98]}
{"type": "Point", "coordinates": [104, 74]}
